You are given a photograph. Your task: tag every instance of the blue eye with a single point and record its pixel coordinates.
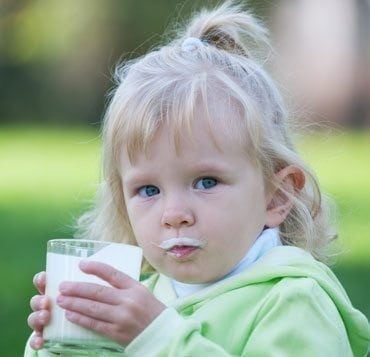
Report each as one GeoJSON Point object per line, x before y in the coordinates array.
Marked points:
{"type": "Point", "coordinates": [148, 191]}
{"type": "Point", "coordinates": [205, 183]}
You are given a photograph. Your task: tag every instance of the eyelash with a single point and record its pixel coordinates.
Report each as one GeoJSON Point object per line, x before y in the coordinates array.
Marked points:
{"type": "Point", "coordinates": [152, 190]}
{"type": "Point", "coordinates": [145, 187]}
{"type": "Point", "coordinates": [209, 178]}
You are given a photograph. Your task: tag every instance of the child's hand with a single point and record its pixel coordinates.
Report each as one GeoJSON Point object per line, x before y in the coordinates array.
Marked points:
{"type": "Point", "coordinates": [120, 312]}
{"type": "Point", "coordinates": [41, 313]}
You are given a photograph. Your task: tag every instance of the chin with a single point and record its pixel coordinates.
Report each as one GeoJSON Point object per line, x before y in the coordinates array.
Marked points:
{"type": "Point", "coordinates": [192, 278]}
{"type": "Point", "coordinates": [187, 278]}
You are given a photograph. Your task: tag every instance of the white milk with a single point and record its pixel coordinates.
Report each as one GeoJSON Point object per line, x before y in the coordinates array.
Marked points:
{"type": "Point", "coordinates": [60, 267]}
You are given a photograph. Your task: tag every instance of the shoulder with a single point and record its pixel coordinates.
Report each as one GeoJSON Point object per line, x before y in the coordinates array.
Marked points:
{"type": "Point", "coordinates": [298, 315]}
{"type": "Point", "coordinates": [304, 292]}
{"type": "Point", "coordinates": [298, 286]}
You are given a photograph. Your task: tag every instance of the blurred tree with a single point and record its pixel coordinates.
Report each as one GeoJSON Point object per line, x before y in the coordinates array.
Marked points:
{"type": "Point", "coordinates": [56, 57]}
{"type": "Point", "coordinates": [53, 56]}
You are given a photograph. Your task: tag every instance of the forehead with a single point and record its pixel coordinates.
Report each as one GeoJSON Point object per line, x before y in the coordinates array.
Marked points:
{"type": "Point", "coordinates": [203, 149]}
{"type": "Point", "coordinates": [217, 121]}
{"type": "Point", "coordinates": [202, 133]}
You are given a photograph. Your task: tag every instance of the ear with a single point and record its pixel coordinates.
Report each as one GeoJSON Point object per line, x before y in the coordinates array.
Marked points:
{"type": "Point", "coordinates": [290, 180]}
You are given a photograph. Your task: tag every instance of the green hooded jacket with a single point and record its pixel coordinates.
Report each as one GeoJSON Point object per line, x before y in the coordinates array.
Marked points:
{"type": "Point", "coordinates": [285, 304]}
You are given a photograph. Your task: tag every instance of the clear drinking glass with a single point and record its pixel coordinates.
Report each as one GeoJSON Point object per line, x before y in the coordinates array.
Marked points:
{"type": "Point", "coordinates": [63, 257]}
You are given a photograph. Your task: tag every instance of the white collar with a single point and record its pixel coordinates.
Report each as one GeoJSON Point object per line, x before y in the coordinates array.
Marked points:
{"type": "Point", "coordinates": [268, 239]}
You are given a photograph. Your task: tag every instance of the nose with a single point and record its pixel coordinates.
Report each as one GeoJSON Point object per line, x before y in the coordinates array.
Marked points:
{"type": "Point", "coordinates": [177, 216]}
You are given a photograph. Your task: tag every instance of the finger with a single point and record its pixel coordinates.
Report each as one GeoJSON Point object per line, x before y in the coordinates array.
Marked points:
{"type": "Point", "coordinates": [106, 272]}
{"type": "Point", "coordinates": [36, 341]}
{"type": "Point", "coordinates": [94, 309]}
{"type": "Point", "coordinates": [39, 302]}
{"type": "Point", "coordinates": [101, 327]}
{"type": "Point", "coordinates": [39, 280]}
{"type": "Point", "coordinates": [37, 320]}
{"type": "Point", "coordinates": [91, 291]}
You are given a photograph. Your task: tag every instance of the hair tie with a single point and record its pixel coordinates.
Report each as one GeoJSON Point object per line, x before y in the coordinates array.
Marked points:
{"type": "Point", "coordinates": [191, 44]}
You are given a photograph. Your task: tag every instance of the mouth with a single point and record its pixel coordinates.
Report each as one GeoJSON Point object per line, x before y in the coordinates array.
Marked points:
{"type": "Point", "coordinates": [182, 248]}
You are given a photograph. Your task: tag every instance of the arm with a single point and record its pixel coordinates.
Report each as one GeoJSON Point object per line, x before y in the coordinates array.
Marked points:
{"type": "Point", "coordinates": [128, 312]}
{"type": "Point", "coordinates": [86, 302]}
{"type": "Point", "coordinates": [172, 335]}
{"type": "Point", "coordinates": [296, 319]}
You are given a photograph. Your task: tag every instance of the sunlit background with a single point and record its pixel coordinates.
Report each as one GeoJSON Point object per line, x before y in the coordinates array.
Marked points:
{"type": "Point", "coordinates": [56, 61]}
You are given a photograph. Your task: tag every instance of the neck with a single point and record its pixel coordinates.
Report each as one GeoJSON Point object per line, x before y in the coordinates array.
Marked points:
{"type": "Point", "coordinates": [268, 239]}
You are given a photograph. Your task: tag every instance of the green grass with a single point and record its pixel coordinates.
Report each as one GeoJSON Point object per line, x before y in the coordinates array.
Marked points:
{"type": "Point", "coordinates": [46, 179]}
{"type": "Point", "coordinates": [342, 163]}
{"type": "Point", "coordinates": [48, 175]}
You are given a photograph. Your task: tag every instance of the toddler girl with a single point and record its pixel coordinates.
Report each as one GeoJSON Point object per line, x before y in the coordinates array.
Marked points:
{"type": "Point", "coordinates": [200, 171]}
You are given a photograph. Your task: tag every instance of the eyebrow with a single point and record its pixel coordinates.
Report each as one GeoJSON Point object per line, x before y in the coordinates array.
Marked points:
{"type": "Point", "coordinates": [203, 167]}
{"type": "Point", "coordinates": [209, 167]}
{"type": "Point", "coordinates": [136, 176]}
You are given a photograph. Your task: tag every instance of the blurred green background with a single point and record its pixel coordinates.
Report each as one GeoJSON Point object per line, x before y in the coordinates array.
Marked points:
{"type": "Point", "coordinates": [56, 61]}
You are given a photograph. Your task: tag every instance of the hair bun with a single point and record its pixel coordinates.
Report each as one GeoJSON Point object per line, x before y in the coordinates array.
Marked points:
{"type": "Point", "coordinates": [223, 41]}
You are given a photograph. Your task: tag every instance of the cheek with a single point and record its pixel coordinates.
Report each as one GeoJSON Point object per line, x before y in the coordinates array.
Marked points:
{"type": "Point", "coordinates": [138, 226]}
{"type": "Point", "coordinates": [135, 221]}
{"type": "Point", "coordinates": [142, 224]}
{"type": "Point", "coordinates": [244, 209]}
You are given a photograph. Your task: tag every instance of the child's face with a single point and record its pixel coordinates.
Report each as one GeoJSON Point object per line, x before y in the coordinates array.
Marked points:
{"type": "Point", "coordinates": [216, 197]}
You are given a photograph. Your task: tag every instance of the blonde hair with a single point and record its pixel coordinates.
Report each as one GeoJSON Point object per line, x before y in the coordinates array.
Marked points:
{"type": "Point", "coordinates": [163, 88]}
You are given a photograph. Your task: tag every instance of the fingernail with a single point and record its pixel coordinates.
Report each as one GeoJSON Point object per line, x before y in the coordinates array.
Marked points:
{"type": "Point", "coordinates": [37, 278]}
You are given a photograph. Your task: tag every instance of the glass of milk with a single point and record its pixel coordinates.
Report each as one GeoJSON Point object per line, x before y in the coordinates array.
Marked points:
{"type": "Point", "coordinates": [63, 257]}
